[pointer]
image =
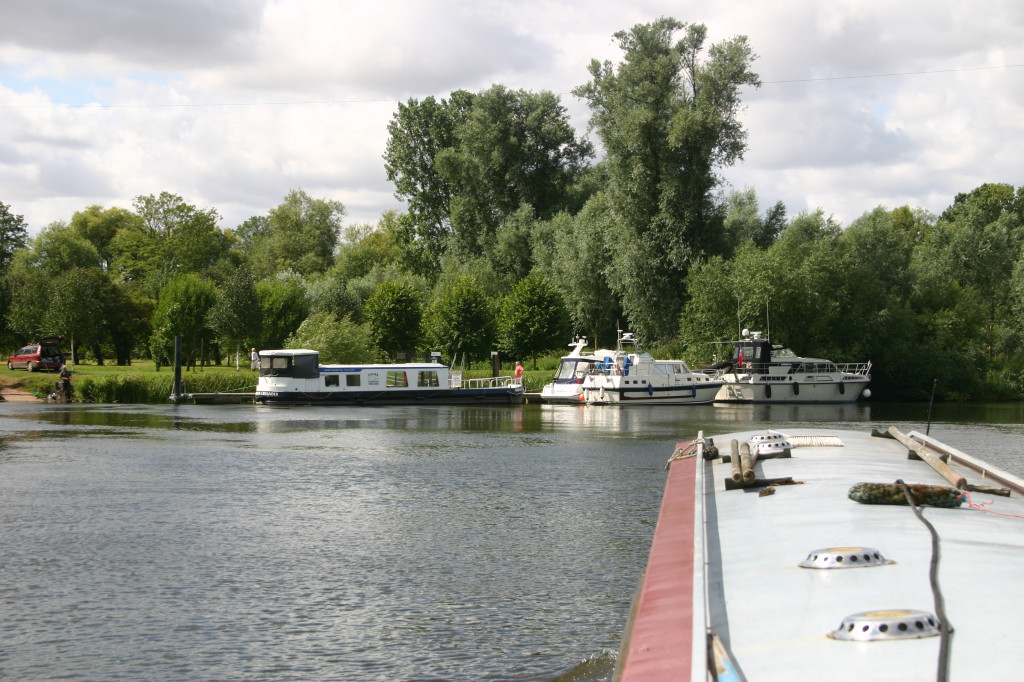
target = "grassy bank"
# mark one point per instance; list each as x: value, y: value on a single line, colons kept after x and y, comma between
x: 139, y: 382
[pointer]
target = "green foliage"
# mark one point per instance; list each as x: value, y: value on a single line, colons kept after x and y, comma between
x: 338, y: 341
x: 283, y: 307
x: 668, y: 119
x: 236, y: 317
x: 393, y: 315
x: 459, y: 322
x: 301, y: 235
x: 182, y: 310
x: 13, y: 235
x: 531, y: 320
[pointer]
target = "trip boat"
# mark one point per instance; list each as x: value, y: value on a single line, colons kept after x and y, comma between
x: 567, y: 384
x: 629, y: 375
x: 763, y: 372
x: 289, y: 377
x: 833, y: 555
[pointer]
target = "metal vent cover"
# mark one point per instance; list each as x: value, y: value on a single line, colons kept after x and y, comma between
x: 769, y: 443
x: 844, y: 557
x: 873, y: 626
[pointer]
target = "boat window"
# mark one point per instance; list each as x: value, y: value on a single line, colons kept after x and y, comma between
x: 275, y: 366
x: 428, y: 379
x: 397, y: 380
x: 352, y: 380
x: 331, y: 380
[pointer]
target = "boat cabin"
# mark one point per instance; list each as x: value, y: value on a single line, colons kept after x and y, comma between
x: 301, y: 370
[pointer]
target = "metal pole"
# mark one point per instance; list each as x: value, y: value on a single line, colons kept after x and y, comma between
x: 177, y: 368
x: 930, y: 402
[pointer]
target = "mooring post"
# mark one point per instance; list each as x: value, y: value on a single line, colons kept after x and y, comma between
x: 176, y: 393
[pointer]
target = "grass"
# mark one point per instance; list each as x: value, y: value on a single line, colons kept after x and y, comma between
x: 139, y: 382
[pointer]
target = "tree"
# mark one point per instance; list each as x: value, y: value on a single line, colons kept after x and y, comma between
x: 283, y: 307
x: 743, y: 223
x: 515, y: 148
x: 532, y: 319
x: 170, y: 237
x: 300, y: 236
x: 13, y: 235
x: 182, y: 310
x: 99, y: 226
x: 668, y: 121
x: 393, y: 314
x: 417, y: 134
x: 339, y: 341
x: 74, y: 308
x: 459, y: 321
x: 236, y: 316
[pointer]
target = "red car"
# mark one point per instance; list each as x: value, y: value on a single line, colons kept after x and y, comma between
x: 43, y: 355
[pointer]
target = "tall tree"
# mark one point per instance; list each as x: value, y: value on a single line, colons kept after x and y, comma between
x: 283, y: 307
x: 393, y: 314
x: 182, y: 310
x: 13, y: 235
x: 459, y: 322
x: 668, y: 119
x: 236, y: 316
x: 301, y: 235
x: 417, y: 134
x: 532, y: 319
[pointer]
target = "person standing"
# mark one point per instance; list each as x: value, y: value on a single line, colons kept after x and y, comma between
x: 254, y: 359
x: 65, y: 383
x: 519, y: 372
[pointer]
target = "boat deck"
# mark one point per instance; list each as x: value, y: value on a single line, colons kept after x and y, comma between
x: 773, y: 618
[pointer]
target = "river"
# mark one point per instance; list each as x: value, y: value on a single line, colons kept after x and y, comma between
x: 405, y: 543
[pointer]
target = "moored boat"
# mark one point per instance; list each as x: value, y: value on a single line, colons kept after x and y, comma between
x: 862, y: 557
x: 566, y: 386
x: 297, y: 377
x: 762, y: 372
x: 629, y: 375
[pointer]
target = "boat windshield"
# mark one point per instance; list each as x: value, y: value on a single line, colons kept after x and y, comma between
x: 573, y: 368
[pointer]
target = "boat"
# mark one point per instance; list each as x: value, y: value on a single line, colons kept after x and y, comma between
x: 629, y: 375
x: 762, y: 372
x: 289, y: 377
x: 838, y: 555
x: 567, y: 384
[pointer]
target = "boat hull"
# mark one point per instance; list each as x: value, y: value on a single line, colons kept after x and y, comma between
x: 790, y: 390
x: 568, y: 393
x: 453, y: 396
x: 611, y: 392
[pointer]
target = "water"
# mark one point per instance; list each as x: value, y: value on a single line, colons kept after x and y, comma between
x: 241, y: 542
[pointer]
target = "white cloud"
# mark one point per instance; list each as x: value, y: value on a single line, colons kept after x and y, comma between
x: 234, y: 103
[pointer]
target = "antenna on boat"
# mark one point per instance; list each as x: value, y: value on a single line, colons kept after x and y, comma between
x: 768, y: 319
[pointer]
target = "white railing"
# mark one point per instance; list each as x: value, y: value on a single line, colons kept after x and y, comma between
x: 485, y: 382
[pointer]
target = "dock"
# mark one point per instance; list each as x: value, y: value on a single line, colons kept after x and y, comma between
x: 224, y: 398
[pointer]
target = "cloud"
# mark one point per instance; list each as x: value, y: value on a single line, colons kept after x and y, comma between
x: 233, y: 103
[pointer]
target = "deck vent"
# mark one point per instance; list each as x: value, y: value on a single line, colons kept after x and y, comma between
x: 768, y: 444
x: 844, y: 557
x: 873, y: 626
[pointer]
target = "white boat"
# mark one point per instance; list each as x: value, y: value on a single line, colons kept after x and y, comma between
x: 629, y: 375
x: 297, y: 377
x: 762, y: 372
x: 798, y: 556
x: 567, y: 384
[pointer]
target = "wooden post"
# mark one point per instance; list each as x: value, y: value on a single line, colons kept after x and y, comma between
x: 176, y: 392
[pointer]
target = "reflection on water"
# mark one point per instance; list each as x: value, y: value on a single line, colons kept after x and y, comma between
x: 457, y: 543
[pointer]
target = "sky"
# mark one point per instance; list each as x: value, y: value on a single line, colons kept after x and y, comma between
x: 231, y: 104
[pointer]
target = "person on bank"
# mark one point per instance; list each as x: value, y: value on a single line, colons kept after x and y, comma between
x: 519, y: 372
x: 254, y: 359
x: 65, y: 382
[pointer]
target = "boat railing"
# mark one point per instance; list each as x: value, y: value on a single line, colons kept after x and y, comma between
x: 485, y: 382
